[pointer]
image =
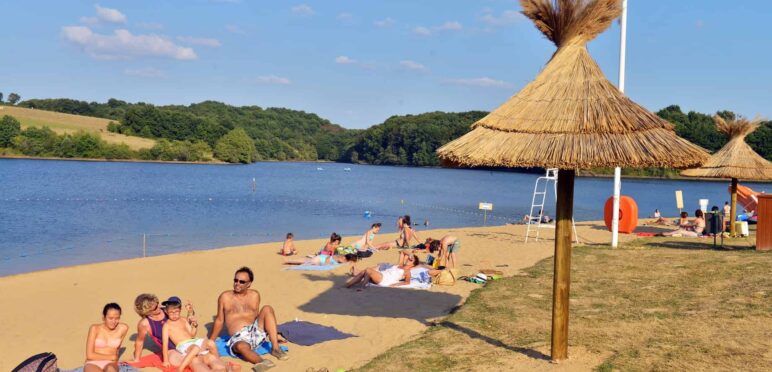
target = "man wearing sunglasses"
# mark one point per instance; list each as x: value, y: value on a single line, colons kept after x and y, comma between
x: 247, y: 324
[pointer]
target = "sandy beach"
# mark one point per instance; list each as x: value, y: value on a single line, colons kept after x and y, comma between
x: 52, y: 310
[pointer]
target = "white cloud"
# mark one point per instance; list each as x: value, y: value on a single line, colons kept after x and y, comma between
x: 303, y: 10
x: 345, y: 16
x: 344, y: 60
x: 122, y: 44
x: 449, y: 26
x: 484, y: 82
x: 385, y: 22
x: 507, y: 17
x: 203, y: 41
x: 412, y: 65
x: 422, y: 31
x: 110, y: 15
x: 89, y: 20
x: 273, y: 79
x: 235, y: 29
x: 148, y: 72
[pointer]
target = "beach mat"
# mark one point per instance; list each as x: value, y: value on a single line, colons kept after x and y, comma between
x: 263, y: 349
x: 304, y: 333
x: 313, y: 267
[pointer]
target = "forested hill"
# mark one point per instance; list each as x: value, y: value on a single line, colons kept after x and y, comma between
x: 255, y: 133
x: 278, y: 134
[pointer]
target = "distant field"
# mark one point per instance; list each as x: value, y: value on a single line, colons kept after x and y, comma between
x: 66, y: 123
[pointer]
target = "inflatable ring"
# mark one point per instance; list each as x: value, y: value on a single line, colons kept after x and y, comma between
x: 628, y: 214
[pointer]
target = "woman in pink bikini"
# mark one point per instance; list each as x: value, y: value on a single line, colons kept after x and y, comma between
x: 104, y: 340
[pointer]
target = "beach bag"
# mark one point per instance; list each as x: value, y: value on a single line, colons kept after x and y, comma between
x: 364, y: 254
x: 43, y: 362
x: 445, y: 277
x: 345, y: 250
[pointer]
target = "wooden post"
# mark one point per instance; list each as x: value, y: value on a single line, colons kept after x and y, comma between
x: 562, y: 277
x: 733, y: 209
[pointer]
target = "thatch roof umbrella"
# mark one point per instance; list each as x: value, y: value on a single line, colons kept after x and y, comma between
x: 735, y: 160
x: 570, y: 117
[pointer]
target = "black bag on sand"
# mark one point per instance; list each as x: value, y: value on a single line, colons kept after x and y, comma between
x: 364, y: 254
x: 43, y: 362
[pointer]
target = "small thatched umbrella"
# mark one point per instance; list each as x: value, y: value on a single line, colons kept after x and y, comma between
x: 570, y: 117
x: 735, y: 160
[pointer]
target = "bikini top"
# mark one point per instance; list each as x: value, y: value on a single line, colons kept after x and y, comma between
x: 111, y: 343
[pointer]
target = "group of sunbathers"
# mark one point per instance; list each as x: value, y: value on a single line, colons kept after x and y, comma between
x: 238, y: 310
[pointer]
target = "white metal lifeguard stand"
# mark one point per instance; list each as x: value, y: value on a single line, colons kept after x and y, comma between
x: 537, y: 203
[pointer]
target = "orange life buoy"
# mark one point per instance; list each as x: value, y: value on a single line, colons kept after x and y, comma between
x: 628, y: 214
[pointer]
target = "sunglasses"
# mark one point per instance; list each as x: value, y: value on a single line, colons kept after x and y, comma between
x: 240, y: 281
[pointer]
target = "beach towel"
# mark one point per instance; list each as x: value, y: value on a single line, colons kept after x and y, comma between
x: 646, y: 234
x: 313, y: 267
x: 263, y: 349
x: 306, y: 333
x: 153, y: 361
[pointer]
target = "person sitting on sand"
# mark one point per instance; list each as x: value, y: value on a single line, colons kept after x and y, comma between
x: 683, y: 220
x: 182, y: 331
x: 331, y: 246
x: 104, y: 341
x: 152, y: 319
x: 406, y: 235
x: 694, y: 229
x: 288, y: 249
x: 393, y: 276
x: 658, y: 219
x: 246, y: 322
x: 365, y: 243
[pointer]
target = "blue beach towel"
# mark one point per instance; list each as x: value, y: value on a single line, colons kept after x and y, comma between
x: 263, y: 349
x: 304, y: 333
x: 312, y: 267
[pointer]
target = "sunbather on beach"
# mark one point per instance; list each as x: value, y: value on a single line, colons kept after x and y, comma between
x: 366, y: 241
x: 152, y: 319
x: 406, y: 234
x: 182, y: 332
x: 393, y: 276
x: 104, y: 340
x: 246, y: 322
x: 331, y: 246
x: 694, y: 229
x: 288, y: 249
x: 323, y: 259
x: 658, y: 219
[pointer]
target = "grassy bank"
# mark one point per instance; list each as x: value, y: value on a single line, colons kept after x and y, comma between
x: 656, y: 304
x: 67, y: 123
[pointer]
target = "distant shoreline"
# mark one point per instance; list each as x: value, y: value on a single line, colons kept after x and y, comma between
x: 592, y: 175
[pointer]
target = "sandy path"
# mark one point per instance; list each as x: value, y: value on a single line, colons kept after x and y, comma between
x: 51, y: 310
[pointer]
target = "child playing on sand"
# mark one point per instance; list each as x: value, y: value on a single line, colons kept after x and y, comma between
x: 181, y: 331
x: 288, y: 249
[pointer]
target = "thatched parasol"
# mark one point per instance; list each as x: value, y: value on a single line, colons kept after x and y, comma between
x: 570, y: 117
x: 735, y: 160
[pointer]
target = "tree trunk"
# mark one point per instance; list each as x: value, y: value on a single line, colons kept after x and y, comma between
x: 562, y: 277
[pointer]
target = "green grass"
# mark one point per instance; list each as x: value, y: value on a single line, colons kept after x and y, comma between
x: 655, y: 304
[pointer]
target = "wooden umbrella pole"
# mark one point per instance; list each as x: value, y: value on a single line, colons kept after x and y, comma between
x: 733, y: 209
x: 562, y: 277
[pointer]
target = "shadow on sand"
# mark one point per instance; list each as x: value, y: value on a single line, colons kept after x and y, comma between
x: 417, y: 304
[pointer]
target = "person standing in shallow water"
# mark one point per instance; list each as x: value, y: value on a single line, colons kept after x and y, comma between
x: 247, y: 324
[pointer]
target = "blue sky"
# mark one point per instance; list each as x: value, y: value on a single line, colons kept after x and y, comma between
x: 358, y: 62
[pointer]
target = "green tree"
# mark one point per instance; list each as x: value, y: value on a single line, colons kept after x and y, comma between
x: 1, y: 97
x: 13, y: 98
x: 236, y: 147
x: 36, y: 141
x: 9, y: 128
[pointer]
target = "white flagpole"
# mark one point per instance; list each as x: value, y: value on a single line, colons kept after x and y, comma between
x: 618, y: 170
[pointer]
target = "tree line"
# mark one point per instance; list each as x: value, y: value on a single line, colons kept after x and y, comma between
x: 250, y: 133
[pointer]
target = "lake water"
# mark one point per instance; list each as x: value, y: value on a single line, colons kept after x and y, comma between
x: 61, y: 213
